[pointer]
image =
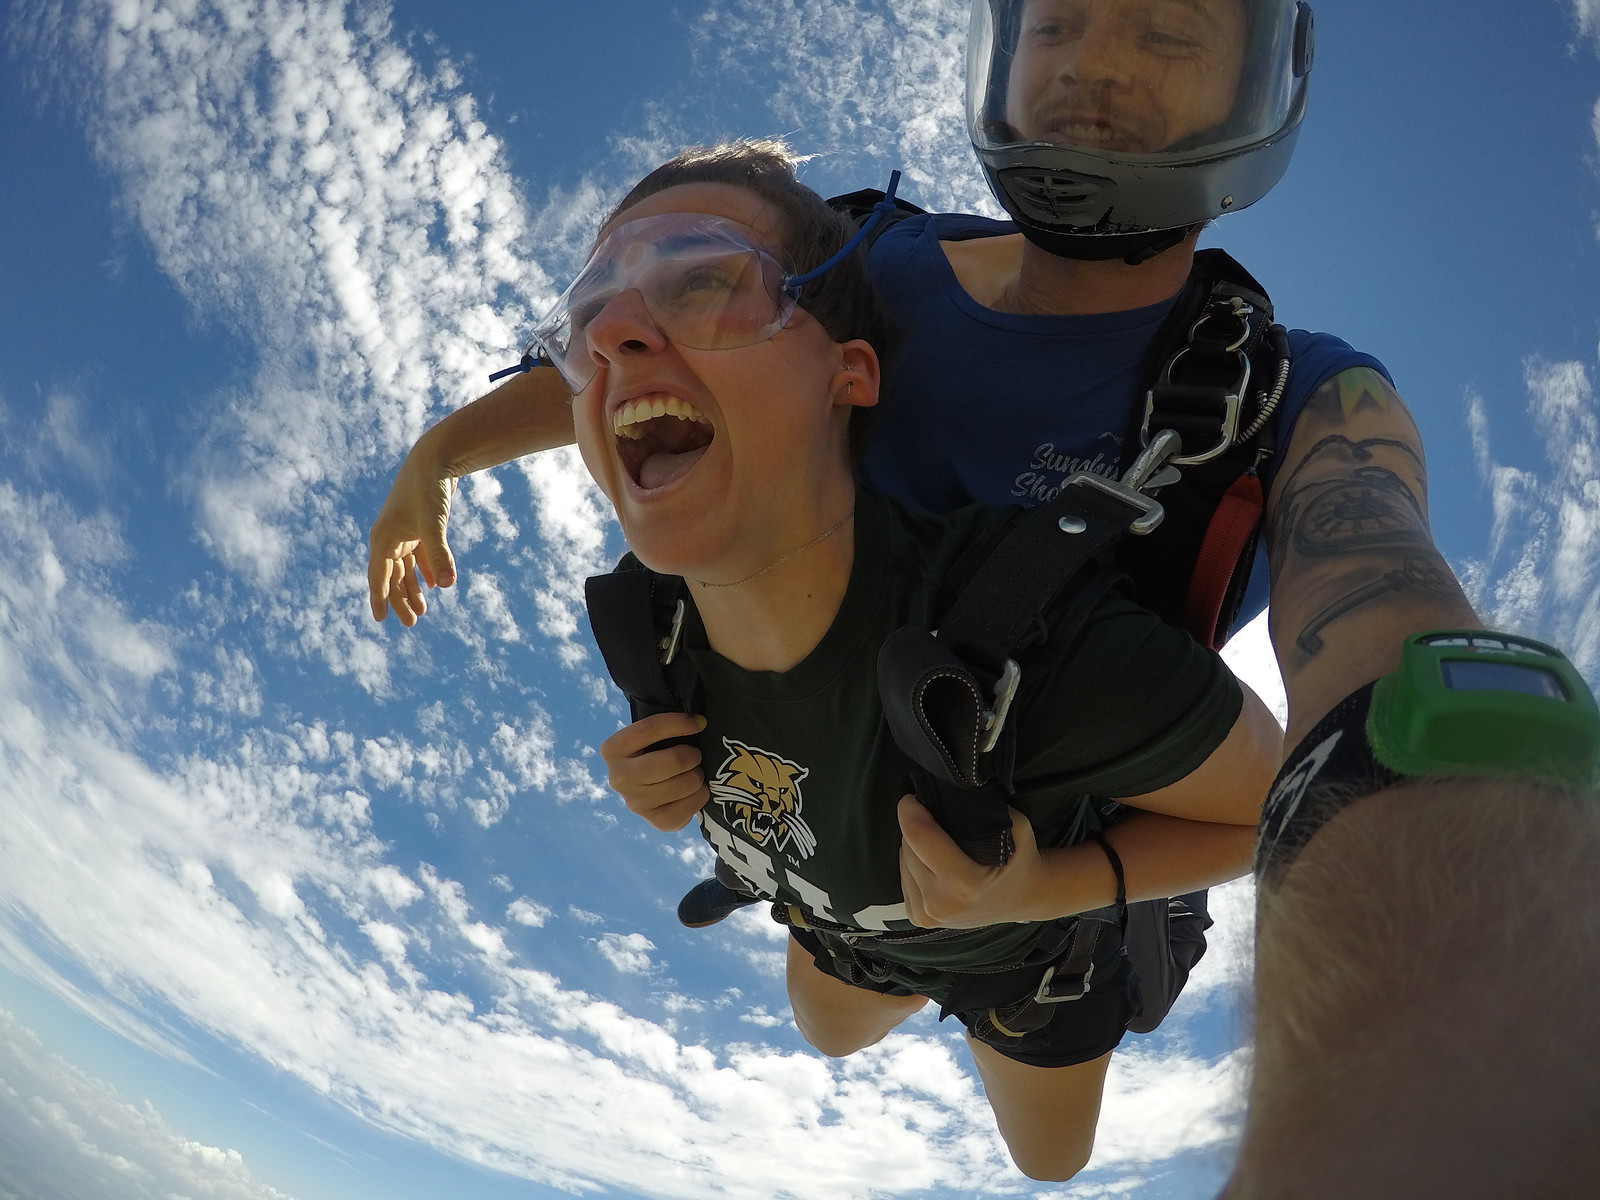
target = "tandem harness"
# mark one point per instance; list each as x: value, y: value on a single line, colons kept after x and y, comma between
x: 1205, y: 426
x: 947, y: 697
x: 1215, y: 375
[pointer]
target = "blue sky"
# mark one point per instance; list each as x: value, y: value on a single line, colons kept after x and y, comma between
x: 293, y: 905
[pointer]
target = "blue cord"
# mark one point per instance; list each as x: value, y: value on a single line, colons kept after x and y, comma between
x: 793, y: 283
x: 525, y: 365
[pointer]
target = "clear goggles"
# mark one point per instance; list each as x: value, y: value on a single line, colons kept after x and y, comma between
x: 701, y: 280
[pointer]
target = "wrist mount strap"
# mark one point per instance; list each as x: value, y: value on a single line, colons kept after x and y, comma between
x: 1332, y: 767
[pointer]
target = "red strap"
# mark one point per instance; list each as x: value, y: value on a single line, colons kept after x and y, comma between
x: 1223, y: 551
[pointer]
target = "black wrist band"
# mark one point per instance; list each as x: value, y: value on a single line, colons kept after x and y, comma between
x: 1116, y: 866
x: 1332, y: 767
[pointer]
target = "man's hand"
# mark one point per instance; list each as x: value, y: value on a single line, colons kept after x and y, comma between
x: 665, y: 787
x: 944, y: 889
x: 407, y: 541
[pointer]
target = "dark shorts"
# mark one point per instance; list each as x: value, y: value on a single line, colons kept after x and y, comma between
x: 1077, y: 1031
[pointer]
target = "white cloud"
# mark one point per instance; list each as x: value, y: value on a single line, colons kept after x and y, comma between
x: 234, y: 688
x: 627, y: 952
x: 306, y: 184
x: 71, y: 1137
x: 1587, y: 13
x: 527, y: 912
x: 1541, y: 574
x: 1159, y: 1104
x: 878, y: 83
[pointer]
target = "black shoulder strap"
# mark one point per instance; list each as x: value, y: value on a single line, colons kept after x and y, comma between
x: 946, y: 694
x: 1214, y: 375
x: 858, y: 206
x: 637, y: 617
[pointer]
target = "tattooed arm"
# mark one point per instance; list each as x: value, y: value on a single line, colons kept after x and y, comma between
x: 1354, y: 568
x: 1385, y: 1066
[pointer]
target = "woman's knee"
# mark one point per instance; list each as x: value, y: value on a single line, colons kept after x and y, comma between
x: 836, y: 1018
x: 834, y: 1043
x: 840, y: 1033
x: 1052, y: 1163
x: 1046, y: 1115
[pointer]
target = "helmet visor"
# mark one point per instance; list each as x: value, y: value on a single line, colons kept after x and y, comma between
x: 1160, y: 82
x: 702, y: 281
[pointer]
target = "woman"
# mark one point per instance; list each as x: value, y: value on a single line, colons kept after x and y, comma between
x: 715, y: 412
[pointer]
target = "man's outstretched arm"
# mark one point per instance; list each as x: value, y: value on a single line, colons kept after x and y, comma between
x: 527, y: 413
x: 1426, y: 1020
x: 1427, y: 962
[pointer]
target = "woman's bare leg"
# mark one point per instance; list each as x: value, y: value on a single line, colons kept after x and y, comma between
x: 833, y: 1016
x: 1047, y: 1115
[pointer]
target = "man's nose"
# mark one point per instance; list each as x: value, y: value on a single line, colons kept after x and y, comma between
x: 1102, y: 54
x: 623, y: 327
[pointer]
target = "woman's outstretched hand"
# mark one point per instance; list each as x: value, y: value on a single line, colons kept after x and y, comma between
x: 406, y: 547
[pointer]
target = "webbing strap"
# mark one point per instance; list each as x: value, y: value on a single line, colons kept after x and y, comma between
x: 1223, y: 555
x: 631, y: 613
x: 999, y: 607
x: 978, y: 819
x: 1214, y: 369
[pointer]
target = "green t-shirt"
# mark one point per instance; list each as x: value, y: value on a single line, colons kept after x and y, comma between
x: 805, y: 775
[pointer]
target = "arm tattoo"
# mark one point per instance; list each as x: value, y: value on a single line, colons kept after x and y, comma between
x: 1421, y: 572
x: 1369, y: 511
x: 1371, y: 507
x: 1360, y: 452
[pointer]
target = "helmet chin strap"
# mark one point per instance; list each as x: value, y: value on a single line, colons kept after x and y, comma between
x: 1131, y: 248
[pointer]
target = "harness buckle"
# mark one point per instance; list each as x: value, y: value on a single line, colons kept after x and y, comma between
x: 669, y: 644
x: 994, y: 720
x: 1149, y: 509
x: 1045, y: 996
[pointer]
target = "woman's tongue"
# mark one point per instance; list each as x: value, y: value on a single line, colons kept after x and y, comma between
x: 662, y: 467
x: 666, y: 448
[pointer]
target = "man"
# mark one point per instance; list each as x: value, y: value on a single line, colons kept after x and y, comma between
x: 1111, y: 131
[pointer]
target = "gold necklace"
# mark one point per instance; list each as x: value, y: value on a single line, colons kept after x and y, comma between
x: 823, y: 536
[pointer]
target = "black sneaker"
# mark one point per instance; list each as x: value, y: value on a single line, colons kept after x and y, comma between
x: 710, y: 901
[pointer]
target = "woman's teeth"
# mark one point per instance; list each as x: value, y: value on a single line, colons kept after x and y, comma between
x: 628, y: 419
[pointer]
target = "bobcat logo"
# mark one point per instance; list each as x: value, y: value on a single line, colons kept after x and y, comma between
x: 760, y: 793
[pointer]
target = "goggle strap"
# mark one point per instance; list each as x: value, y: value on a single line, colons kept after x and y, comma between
x: 529, y: 361
x: 793, y: 283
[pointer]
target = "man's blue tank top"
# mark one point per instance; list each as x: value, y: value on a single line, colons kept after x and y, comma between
x: 1000, y: 407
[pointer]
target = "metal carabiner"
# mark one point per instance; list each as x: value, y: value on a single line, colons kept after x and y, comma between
x: 1240, y: 310
x: 1232, y: 403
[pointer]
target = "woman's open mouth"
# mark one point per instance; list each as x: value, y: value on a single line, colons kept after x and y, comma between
x: 659, y: 438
